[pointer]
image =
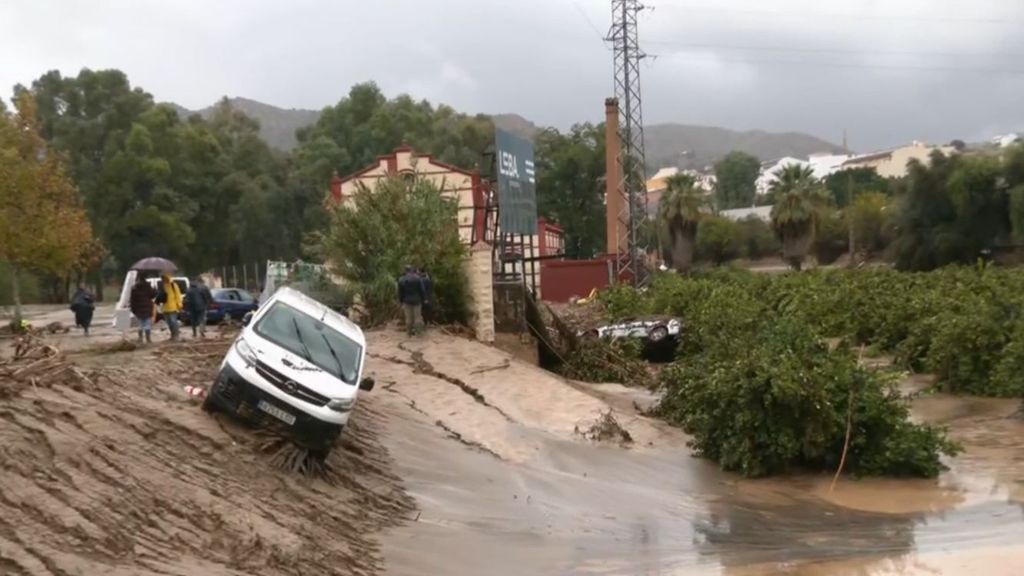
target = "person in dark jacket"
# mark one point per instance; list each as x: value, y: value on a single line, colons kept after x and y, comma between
x: 140, y: 301
x: 428, y: 295
x: 197, y: 301
x: 411, y: 296
x: 83, y: 305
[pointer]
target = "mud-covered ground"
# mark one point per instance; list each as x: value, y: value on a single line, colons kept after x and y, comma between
x: 464, y: 461
x: 124, y: 474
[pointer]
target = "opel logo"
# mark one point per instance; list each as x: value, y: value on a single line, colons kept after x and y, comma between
x: 290, y: 387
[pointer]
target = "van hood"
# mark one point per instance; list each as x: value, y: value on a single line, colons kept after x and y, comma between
x: 299, y: 369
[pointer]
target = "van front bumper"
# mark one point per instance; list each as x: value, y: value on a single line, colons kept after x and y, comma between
x: 235, y: 393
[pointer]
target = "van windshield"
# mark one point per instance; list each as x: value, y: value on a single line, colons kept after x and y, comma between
x: 311, y: 339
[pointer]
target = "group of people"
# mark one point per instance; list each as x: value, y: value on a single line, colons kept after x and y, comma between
x: 144, y: 299
x: 416, y: 295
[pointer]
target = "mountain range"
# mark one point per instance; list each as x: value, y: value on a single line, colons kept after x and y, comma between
x: 681, y: 145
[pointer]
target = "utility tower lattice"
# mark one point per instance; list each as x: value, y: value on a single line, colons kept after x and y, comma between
x: 623, y: 35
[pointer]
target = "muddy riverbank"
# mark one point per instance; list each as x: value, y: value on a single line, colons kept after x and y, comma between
x: 524, y: 494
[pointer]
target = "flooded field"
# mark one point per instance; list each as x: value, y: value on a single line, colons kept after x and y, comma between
x: 525, y: 495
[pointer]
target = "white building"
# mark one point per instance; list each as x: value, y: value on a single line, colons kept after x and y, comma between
x: 1007, y: 140
x: 763, y: 213
x: 770, y: 173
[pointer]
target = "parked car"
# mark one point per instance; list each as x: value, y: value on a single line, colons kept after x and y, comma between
x: 297, y: 365
x: 228, y: 303
x: 652, y: 329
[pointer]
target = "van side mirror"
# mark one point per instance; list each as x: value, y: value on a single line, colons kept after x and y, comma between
x: 247, y: 319
x: 367, y: 383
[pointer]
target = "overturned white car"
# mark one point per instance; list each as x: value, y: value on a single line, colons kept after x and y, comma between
x: 654, y: 329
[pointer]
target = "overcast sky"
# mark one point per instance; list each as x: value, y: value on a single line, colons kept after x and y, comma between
x: 888, y: 71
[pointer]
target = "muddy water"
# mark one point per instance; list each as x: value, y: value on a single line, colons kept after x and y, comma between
x: 505, y: 486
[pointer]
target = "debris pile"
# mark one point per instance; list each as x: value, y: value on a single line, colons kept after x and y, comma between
x: 606, y: 429
x: 38, y: 364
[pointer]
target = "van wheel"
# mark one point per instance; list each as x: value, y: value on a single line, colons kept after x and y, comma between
x: 658, y: 334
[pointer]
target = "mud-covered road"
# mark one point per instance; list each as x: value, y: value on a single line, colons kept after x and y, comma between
x: 129, y: 476
x: 463, y: 461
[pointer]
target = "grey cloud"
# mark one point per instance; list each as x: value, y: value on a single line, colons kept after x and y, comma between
x: 544, y: 58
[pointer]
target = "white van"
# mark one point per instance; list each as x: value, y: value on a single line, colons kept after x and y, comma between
x: 297, y: 365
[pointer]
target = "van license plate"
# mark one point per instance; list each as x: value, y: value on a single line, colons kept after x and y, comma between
x: 276, y: 412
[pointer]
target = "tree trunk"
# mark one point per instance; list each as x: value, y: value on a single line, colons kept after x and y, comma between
x: 16, y: 294
x: 682, y: 251
x: 795, y: 248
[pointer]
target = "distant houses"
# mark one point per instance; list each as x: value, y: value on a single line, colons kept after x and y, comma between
x: 887, y: 163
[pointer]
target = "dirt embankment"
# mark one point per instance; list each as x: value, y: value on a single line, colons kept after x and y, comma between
x: 109, y: 468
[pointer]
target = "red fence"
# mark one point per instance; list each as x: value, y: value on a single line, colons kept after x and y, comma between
x: 560, y: 280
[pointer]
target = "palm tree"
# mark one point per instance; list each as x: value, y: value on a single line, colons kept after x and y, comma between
x: 679, y: 212
x: 799, y: 201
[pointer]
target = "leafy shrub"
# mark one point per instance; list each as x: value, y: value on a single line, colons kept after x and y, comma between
x: 757, y: 239
x: 832, y: 239
x: 718, y: 240
x: 401, y: 222
x: 782, y: 405
x: 604, y: 360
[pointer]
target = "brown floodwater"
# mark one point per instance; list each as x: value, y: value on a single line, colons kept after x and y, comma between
x: 505, y: 486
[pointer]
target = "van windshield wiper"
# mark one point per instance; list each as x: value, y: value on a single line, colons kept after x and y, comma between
x: 298, y: 332
x: 341, y: 369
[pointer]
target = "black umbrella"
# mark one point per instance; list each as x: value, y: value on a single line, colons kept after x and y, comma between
x: 155, y: 264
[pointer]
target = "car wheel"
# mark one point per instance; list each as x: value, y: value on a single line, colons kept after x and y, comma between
x: 658, y: 333
x: 591, y: 335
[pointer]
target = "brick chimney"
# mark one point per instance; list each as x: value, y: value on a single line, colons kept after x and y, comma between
x: 615, y: 229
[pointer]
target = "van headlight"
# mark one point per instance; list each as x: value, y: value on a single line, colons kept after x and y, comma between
x: 341, y: 404
x: 245, y: 351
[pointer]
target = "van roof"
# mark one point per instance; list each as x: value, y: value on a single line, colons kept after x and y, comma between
x: 315, y: 308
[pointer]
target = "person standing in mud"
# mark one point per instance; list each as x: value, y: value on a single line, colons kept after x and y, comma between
x: 428, y: 295
x: 83, y: 305
x: 171, y: 299
x: 140, y: 302
x: 411, y: 296
x: 197, y: 301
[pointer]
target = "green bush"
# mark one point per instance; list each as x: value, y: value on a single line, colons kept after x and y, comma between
x: 831, y: 239
x: 403, y: 221
x: 757, y: 239
x: 782, y: 405
x: 718, y: 240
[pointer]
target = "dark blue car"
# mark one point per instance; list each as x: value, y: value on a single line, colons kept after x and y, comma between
x: 233, y: 303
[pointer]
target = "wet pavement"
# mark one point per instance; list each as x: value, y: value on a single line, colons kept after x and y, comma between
x: 505, y: 486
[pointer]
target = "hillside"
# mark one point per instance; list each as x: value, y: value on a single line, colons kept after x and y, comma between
x: 680, y: 145
x: 277, y: 125
x: 690, y: 146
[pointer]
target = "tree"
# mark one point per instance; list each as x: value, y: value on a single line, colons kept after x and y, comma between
x: 736, y: 176
x: 757, y: 239
x: 679, y: 212
x: 868, y: 217
x: 847, y: 184
x: 360, y: 127
x: 570, y: 186
x: 43, y: 226
x: 718, y: 240
x: 799, y: 201
x: 952, y: 210
x: 402, y: 221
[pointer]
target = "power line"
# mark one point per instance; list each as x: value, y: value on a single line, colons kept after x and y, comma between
x: 586, y: 17
x: 792, y: 62
x: 826, y: 50
x: 847, y: 16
